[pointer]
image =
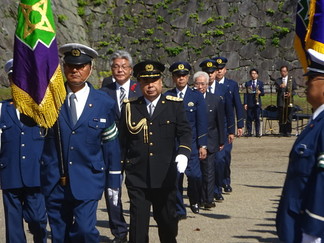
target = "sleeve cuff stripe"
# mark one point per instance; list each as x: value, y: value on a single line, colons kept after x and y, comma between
x: 315, y: 216
x: 186, y: 147
x: 202, y: 135
x: 109, y: 130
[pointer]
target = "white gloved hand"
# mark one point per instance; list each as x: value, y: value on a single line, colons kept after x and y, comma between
x: 113, y: 195
x: 310, y: 239
x: 182, y: 162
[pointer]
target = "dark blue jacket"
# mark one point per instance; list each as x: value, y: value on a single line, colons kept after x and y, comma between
x: 215, y: 114
x: 88, y: 156
x: 21, y: 148
x: 301, y: 205
x: 223, y: 92
x: 249, y: 96
x: 236, y: 100
x: 195, y: 107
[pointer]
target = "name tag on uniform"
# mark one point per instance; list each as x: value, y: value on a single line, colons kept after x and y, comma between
x: 103, y: 120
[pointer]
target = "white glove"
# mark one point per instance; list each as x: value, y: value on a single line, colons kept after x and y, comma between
x: 113, y: 195
x: 182, y: 162
x: 310, y: 239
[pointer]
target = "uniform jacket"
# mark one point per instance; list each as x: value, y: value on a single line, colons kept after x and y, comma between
x: 281, y: 91
x: 215, y: 114
x: 236, y: 100
x: 195, y: 107
x: 87, y: 153
x: 223, y: 92
x: 134, y: 91
x: 21, y: 147
x: 301, y: 203
x: 249, y: 96
x: 107, y: 81
x: 151, y: 164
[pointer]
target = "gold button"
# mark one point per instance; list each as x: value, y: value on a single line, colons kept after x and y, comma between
x: 133, y: 123
x: 73, y: 132
x: 151, y: 154
x: 151, y: 133
x: 151, y: 123
x: 168, y: 122
x: 151, y: 144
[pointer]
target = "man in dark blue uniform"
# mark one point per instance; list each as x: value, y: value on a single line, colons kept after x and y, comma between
x: 252, y: 102
x: 210, y: 66
x: 122, y: 88
x: 216, y: 136
x: 195, y: 107
x: 149, y: 128
x: 21, y: 147
x: 300, y: 216
x: 237, y: 105
x: 81, y: 155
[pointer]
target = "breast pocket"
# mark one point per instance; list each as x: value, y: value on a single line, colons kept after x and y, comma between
x: 94, y: 132
x: 6, y: 135
x: 167, y: 128
x: 191, y: 113
x: 303, y: 159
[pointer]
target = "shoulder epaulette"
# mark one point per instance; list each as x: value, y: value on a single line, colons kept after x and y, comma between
x: 173, y: 98
x: 130, y: 99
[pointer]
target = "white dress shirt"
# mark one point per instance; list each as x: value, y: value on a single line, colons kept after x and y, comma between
x: 80, y: 98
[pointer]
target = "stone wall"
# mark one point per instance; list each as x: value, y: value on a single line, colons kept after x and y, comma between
x: 250, y: 33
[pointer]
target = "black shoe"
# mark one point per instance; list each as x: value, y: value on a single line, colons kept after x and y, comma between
x: 228, y: 188
x: 120, y: 240
x: 258, y: 136
x: 195, y: 208
x: 210, y: 205
x: 248, y: 135
x: 218, y: 197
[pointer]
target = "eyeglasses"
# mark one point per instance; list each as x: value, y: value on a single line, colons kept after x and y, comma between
x: 117, y: 67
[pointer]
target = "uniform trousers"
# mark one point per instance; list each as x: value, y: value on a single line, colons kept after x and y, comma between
x: 71, y: 220
x: 117, y: 223
x: 219, y: 171
x: 253, y: 114
x: 227, y: 167
x: 208, y: 177
x: 285, y: 128
x: 163, y: 201
x: 193, y: 173
x: 24, y: 203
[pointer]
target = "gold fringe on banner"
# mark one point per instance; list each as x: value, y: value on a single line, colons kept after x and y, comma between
x: 46, y: 113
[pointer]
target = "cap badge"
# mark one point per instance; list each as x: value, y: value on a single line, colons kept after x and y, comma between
x: 76, y: 52
x: 181, y: 67
x: 149, y: 67
x: 209, y: 64
x: 219, y: 61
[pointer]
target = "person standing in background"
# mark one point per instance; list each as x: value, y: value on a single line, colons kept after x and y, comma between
x: 252, y: 103
x: 285, y: 87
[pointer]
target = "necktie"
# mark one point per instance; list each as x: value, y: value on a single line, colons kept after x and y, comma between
x: 151, y: 109
x: 209, y: 89
x: 73, y: 109
x: 122, y: 96
x: 181, y: 95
